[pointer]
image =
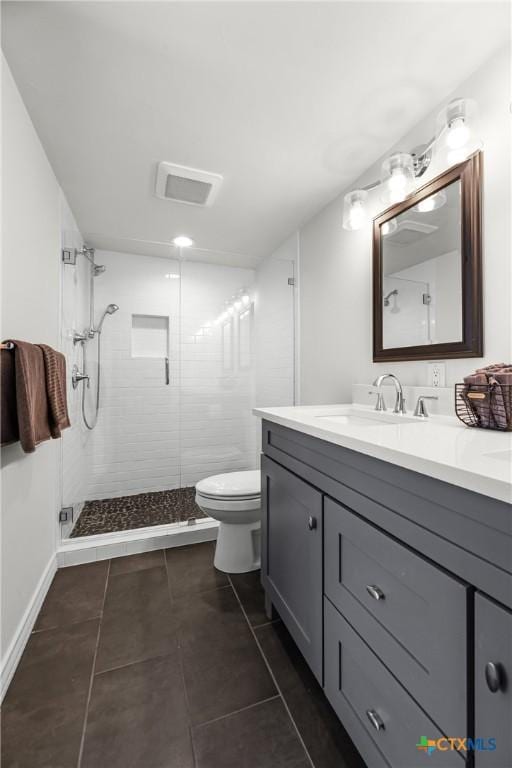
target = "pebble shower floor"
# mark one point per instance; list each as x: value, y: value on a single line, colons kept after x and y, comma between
x: 125, y: 513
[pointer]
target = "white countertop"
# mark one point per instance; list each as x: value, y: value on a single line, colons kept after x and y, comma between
x: 440, y: 446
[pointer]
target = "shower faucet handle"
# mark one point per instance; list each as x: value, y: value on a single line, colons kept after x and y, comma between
x: 77, y: 377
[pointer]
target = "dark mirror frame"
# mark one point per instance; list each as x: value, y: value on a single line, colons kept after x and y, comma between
x: 470, y: 174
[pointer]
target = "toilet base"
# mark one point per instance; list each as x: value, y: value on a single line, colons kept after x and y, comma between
x: 238, y: 547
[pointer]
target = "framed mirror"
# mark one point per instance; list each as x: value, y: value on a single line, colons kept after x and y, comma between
x: 427, y: 283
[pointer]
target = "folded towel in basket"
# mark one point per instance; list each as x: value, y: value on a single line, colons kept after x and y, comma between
x: 493, y: 411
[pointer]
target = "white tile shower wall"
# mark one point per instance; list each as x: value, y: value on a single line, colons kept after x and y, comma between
x: 75, y: 316
x: 218, y: 433
x: 152, y: 436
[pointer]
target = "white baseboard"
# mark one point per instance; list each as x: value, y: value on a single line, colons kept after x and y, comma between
x: 12, y: 656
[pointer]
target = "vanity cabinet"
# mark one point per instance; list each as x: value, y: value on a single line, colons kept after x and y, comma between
x: 292, y: 558
x: 397, y: 588
x: 493, y: 682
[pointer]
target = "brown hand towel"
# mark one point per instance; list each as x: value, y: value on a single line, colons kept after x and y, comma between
x: 31, y: 399
x: 8, y: 414
x: 55, y: 369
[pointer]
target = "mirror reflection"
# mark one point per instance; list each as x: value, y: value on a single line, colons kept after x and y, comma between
x: 422, y: 272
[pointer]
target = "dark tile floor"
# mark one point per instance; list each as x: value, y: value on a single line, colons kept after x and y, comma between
x: 160, y: 661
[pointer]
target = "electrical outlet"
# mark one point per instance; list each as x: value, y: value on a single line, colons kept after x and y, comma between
x: 436, y: 374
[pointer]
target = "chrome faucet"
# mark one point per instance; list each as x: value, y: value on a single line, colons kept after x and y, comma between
x: 399, y: 400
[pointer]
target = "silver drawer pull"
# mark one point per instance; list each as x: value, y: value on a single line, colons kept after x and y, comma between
x: 375, y: 592
x: 375, y: 719
x: 311, y: 523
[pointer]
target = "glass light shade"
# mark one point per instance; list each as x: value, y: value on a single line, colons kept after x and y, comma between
x: 431, y: 203
x: 355, y: 213
x: 456, y: 137
x: 397, y: 176
x: 388, y: 227
x: 238, y: 304
x: 246, y: 299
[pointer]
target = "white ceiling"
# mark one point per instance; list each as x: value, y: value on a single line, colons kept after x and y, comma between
x: 289, y: 101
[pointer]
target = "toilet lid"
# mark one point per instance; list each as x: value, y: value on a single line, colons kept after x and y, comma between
x: 232, y: 484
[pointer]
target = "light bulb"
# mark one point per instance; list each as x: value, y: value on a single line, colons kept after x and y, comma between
x: 246, y: 299
x: 354, y: 209
x: 397, y: 181
x: 388, y: 227
x: 432, y: 202
x: 356, y: 215
x: 183, y: 241
x: 458, y: 134
x: 238, y: 304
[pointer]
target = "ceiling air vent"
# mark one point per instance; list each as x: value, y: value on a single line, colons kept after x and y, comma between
x: 409, y: 232
x: 186, y: 185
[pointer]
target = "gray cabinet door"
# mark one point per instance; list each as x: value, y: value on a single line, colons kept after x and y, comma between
x: 493, y: 682
x: 412, y: 614
x: 292, y: 557
x: 385, y: 724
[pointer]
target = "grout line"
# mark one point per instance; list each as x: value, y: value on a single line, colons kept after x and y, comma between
x: 132, y: 663
x: 278, y: 688
x: 93, y: 667
x: 180, y: 662
x: 237, y: 711
x: 67, y: 624
x: 266, y: 624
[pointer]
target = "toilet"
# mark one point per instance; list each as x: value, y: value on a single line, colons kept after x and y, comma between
x: 234, y: 499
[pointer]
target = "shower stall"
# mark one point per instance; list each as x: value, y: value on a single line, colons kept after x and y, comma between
x: 163, y: 377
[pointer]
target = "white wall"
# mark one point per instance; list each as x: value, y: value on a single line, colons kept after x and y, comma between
x: 30, y: 311
x: 335, y: 265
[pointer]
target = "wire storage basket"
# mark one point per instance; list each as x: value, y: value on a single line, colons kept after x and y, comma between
x: 488, y: 406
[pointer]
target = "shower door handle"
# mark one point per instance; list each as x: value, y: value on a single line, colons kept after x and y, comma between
x: 167, y: 370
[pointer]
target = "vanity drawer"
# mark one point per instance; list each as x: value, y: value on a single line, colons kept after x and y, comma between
x: 361, y: 689
x: 411, y: 613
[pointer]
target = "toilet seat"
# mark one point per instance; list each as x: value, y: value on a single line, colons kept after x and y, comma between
x: 231, y: 486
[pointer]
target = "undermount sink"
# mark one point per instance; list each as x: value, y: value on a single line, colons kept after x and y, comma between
x: 359, y: 418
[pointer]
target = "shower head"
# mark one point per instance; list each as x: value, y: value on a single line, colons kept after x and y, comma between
x: 108, y: 311
x: 387, y: 298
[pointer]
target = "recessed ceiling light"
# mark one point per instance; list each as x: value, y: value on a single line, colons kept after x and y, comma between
x: 182, y: 241
x: 172, y: 276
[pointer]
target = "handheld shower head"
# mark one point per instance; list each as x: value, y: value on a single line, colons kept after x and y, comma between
x: 108, y: 311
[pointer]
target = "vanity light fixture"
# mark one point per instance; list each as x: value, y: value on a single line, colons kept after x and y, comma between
x: 389, y: 227
x: 454, y: 141
x: 183, y: 241
x: 397, y: 175
x: 431, y: 203
x: 355, y: 213
x: 455, y: 135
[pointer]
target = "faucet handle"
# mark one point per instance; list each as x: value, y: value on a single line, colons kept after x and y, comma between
x: 421, y: 408
x: 380, y: 405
